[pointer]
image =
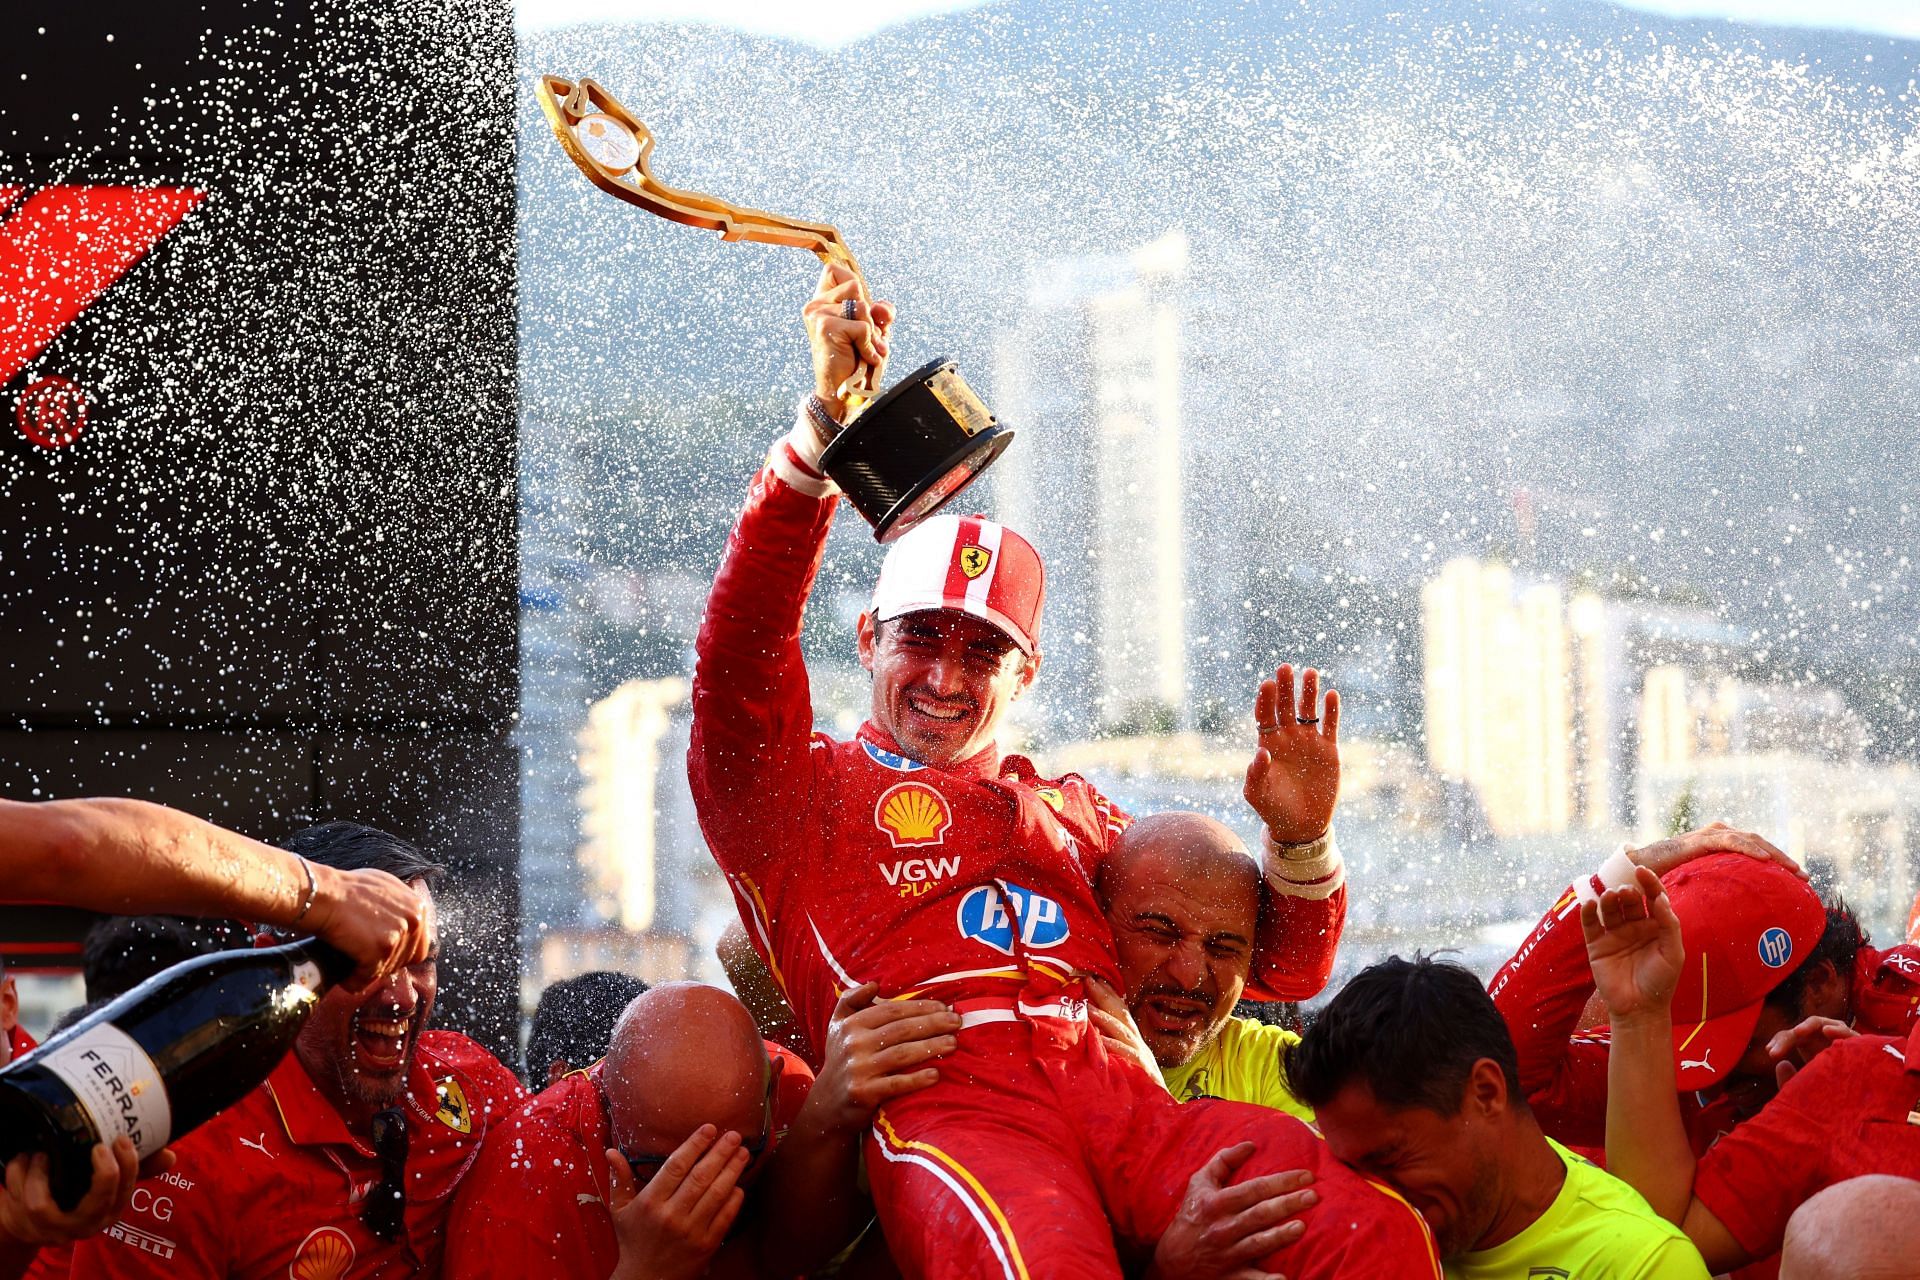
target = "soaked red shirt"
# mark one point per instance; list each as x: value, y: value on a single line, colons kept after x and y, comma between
x: 1853, y: 1110
x: 536, y: 1201
x: 273, y: 1186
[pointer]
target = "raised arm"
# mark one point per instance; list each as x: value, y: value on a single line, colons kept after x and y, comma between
x: 1633, y: 944
x: 752, y: 712
x: 1543, y: 989
x: 1293, y: 783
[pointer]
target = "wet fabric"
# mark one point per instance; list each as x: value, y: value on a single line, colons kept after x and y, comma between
x: 275, y: 1185
x: 1241, y: 1064
x: 1036, y: 1138
x: 1597, y: 1228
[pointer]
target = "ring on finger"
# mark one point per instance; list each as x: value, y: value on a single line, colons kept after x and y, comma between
x: 1269, y: 728
x: 1306, y: 719
x: 849, y: 309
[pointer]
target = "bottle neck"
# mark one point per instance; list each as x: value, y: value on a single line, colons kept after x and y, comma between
x: 331, y: 963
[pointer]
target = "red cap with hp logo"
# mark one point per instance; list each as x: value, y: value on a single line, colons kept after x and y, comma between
x: 1747, y: 925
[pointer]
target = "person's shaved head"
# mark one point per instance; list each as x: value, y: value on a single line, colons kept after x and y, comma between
x: 1183, y: 896
x: 1862, y: 1229
x: 685, y: 1054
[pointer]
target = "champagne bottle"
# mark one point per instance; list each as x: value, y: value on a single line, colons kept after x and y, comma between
x: 163, y: 1058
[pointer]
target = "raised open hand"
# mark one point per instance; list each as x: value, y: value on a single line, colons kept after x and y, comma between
x: 1634, y: 947
x: 1294, y: 778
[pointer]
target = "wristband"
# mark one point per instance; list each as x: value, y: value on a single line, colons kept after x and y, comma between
x: 1312, y: 870
x: 795, y: 457
x: 1617, y: 872
x: 313, y: 890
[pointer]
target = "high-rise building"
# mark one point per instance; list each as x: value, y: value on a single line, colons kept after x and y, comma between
x: 1498, y: 706
x: 1551, y: 708
x: 1633, y: 661
x: 621, y: 759
x: 1090, y: 374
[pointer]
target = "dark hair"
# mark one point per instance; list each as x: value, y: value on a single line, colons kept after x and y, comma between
x: 121, y: 952
x: 1410, y: 1030
x: 76, y: 1013
x: 573, y: 1023
x: 1840, y: 942
x: 353, y: 846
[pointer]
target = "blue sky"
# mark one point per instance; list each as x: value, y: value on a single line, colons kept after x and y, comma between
x: 830, y: 22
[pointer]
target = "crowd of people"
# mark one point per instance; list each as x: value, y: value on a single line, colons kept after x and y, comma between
x: 984, y: 1024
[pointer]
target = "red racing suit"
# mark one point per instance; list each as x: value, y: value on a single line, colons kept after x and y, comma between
x: 974, y: 884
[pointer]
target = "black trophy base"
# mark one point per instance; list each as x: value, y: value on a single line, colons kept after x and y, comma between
x: 914, y: 448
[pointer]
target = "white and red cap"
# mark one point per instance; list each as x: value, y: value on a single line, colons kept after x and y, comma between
x: 968, y: 563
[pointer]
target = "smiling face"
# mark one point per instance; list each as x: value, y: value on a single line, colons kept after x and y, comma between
x: 1447, y: 1167
x: 1183, y: 898
x: 942, y: 681
x: 358, y: 1048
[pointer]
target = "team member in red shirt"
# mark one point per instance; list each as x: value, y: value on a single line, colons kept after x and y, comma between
x: 344, y: 1162
x: 108, y: 854
x: 633, y: 1167
x: 921, y: 857
x: 1851, y: 1111
x: 1769, y: 957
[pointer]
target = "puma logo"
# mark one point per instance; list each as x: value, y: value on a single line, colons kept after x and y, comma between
x: 1701, y: 1062
x: 260, y: 1146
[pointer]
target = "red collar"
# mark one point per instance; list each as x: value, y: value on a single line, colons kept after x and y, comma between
x: 310, y: 1119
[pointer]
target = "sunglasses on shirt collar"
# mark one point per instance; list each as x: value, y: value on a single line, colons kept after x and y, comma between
x: 645, y: 1166
x: 385, y: 1210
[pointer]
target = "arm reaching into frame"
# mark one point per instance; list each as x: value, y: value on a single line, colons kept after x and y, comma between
x: 129, y: 857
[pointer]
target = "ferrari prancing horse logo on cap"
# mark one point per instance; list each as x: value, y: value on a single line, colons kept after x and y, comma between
x: 974, y: 561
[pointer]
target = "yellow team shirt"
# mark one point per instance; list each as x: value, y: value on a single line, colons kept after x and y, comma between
x: 1241, y: 1064
x: 1597, y: 1228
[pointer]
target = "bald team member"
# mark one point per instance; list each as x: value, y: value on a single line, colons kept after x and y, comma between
x: 636, y: 1166
x: 1862, y: 1229
x: 1184, y: 897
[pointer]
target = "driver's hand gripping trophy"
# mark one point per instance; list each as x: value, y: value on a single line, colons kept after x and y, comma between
x: 899, y: 455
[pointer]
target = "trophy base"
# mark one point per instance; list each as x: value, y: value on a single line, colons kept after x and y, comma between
x: 914, y: 448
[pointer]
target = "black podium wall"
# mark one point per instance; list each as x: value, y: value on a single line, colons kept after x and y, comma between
x: 272, y: 578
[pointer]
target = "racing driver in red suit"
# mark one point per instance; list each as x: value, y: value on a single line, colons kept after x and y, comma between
x: 920, y: 857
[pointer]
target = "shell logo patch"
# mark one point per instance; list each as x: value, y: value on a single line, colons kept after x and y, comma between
x: 1055, y: 798
x: 974, y: 561
x: 326, y: 1254
x: 453, y: 1111
x: 912, y: 814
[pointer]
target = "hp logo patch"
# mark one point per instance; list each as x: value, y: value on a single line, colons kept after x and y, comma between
x: 1776, y: 947
x: 887, y: 759
x: 983, y: 917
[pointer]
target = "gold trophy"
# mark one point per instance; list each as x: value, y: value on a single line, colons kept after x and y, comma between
x: 903, y: 453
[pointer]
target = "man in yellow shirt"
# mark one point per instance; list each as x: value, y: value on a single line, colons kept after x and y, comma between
x: 1415, y: 1082
x: 1183, y: 896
